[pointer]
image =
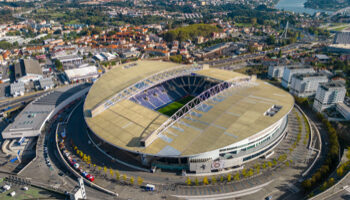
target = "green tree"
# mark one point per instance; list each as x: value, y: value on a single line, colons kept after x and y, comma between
x: 236, y: 177
x: 58, y: 65
x: 196, y: 181
x: 340, y: 171
x: 269, y: 163
x: 176, y: 58
x: 250, y: 172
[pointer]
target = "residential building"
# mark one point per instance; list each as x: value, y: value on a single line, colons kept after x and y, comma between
x: 4, y: 74
x: 305, y: 85
x: 329, y: 94
x: 275, y: 72
x: 289, y: 71
x: 344, y: 110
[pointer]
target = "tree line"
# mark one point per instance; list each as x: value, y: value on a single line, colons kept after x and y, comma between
x: 190, y: 32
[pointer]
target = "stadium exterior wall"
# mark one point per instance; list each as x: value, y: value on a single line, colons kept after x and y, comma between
x: 264, y: 142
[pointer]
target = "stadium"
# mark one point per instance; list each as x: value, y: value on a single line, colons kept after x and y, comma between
x: 184, y: 118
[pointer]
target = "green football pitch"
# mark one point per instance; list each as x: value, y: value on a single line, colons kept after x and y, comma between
x: 175, y: 106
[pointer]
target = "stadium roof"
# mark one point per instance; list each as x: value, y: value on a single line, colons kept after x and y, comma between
x: 230, y: 119
x: 342, y: 38
x: 30, y: 120
x: 121, y: 77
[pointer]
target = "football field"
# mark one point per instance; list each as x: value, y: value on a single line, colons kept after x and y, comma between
x: 171, y: 108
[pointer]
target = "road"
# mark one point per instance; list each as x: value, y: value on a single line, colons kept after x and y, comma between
x: 18, y: 101
x: 51, y: 175
x: 246, y: 57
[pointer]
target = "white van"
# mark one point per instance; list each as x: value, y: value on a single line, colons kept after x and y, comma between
x: 6, y: 187
x: 150, y: 187
x: 13, y: 193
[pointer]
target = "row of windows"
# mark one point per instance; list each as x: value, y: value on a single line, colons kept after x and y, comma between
x: 261, y: 152
x: 263, y: 139
x: 257, y: 144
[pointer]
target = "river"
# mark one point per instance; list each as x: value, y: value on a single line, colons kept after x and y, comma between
x: 296, y: 6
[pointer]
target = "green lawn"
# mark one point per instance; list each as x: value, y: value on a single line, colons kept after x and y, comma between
x: 32, y: 193
x: 175, y: 106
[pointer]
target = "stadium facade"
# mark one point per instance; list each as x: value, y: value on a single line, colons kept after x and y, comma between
x: 190, y: 118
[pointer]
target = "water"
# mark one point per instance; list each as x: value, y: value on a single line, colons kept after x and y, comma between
x: 296, y: 6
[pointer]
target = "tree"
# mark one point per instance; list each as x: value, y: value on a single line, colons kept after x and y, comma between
x: 117, y: 175
x: 244, y: 172
x: 139, y: 180
x: 253, y: 21
x: 271, y: 40
x: 250, y: 172
x: 58, y: 65
x: 124, y: 177
x: 257, y: 168
x: 279, y: 54
x: 228, y: 177
x: 205, y: 180
x: 176, y: 58
x: 331, y: 181
x: 340, y: 171
x: 213, y: 180
x: 287, y: 163
x: 269, y: 164
x: 307, y: 184
x: 236, y: 177
x: 274, y: 162
x: 188, y: 181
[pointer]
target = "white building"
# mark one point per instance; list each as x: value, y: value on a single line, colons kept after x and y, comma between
x: 46, y: 83
x: 108, y: 56
x: 289, y: 71
x: 82, y: 73
x: 305, y: 85
x: 275, y: 72
x: 329, y: 94
x: 17, y: 89
x: 344, y: 110
x: 70, y: 59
